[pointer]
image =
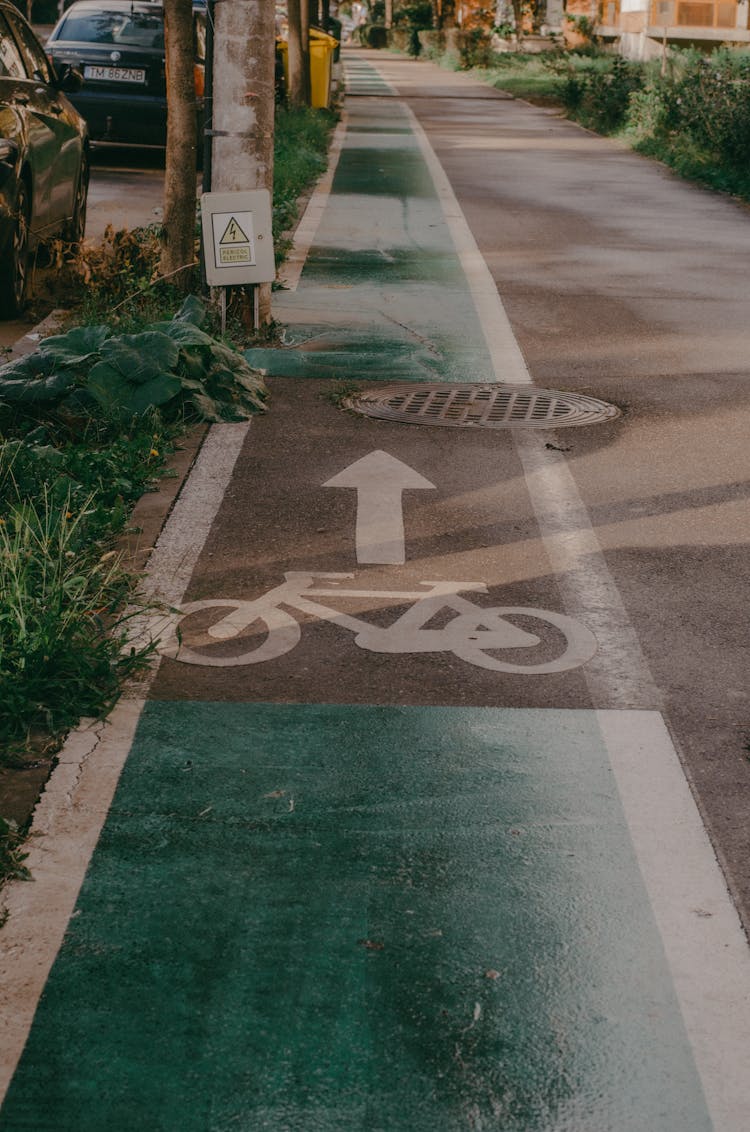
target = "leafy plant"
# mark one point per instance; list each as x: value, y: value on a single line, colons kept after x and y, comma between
x: 91, y: 372
x: 599, y: 97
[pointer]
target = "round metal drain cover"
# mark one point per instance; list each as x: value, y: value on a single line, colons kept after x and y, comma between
x: 474, y: 405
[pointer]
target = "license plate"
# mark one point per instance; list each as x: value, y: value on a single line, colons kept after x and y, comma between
x: 115, y: 74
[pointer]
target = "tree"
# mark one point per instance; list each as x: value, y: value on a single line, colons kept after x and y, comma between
x: 178, y: 235
x: 298, y: 91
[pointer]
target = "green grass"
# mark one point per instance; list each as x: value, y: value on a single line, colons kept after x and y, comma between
x: 300, y: 156
x: 524, y: 76
x: 61, y: 631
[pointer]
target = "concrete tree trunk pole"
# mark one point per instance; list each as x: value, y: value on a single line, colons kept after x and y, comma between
x: 178, y: 238
x: 243, y: 103
x: 388, y: 13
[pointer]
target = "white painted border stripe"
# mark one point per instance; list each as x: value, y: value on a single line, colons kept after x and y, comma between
x: 505, y: 353
x: 619, y: 674
x: 704, y: 942
x: 67, y: 823
x: 69, y: 817
x: 307, y: 228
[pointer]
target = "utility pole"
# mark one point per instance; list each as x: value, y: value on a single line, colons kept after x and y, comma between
x: 243, y: 106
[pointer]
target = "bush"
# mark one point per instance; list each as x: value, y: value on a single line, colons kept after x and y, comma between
x: 475, y: 48
x: 408, y: 21
x: 91, y: 373
x: 373, y: 35
x: 431, y: 43
x: 600, y: 97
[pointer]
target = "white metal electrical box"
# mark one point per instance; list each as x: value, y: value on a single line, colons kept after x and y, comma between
x: 237, y: 238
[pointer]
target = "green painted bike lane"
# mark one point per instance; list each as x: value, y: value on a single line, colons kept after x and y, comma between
x: 315, y: 917
x: 383, y: 295
x: 307, y: 917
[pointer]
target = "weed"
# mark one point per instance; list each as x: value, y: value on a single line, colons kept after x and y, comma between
x: 61, y: 633
x: 340, y: 391
x: 11, y: 856
x: 301, y: 144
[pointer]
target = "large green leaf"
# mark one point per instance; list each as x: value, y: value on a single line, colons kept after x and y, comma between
x: 29, y: 366
x: 118, y: 396
x: 193, y: 364
x: 141, y: 357
x: 184, y: 333
x: 220, y: 409
x: 77, y: 346
x: 108, y: 386
x: 36, y: 391
x: 192, y: 310
x: 151, y: 393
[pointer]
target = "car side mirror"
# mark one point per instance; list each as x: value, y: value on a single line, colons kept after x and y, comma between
x: 69, y: 80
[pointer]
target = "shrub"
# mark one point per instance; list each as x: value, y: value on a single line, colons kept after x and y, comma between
x: 373, y: 35
x: 92, y: 373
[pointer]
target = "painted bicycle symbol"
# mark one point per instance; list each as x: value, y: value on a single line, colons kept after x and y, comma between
x: 469, y: 631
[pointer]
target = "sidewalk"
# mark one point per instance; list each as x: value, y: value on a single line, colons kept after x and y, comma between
x: 346, y: 881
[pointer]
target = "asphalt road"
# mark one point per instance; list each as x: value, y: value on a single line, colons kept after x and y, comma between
x: 409, y: 832
x: 624, y: 282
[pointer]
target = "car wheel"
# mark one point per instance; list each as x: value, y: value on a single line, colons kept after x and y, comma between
x: 14, y: 270
x: 75, y: 229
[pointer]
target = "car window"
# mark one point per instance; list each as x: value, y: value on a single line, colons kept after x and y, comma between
x: 126, y: 29
x: 11, y: 62
x: 36, y: 61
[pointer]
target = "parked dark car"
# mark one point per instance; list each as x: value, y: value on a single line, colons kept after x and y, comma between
x: 44, y: 169
x: 118, y: 45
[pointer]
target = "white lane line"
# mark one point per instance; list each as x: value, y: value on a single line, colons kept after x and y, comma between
x: 619, y: 674
x: 69, y: 817
x: 705, y: 946
x: 177, y: 549
x: 307, y: 228
x: 507, y: 359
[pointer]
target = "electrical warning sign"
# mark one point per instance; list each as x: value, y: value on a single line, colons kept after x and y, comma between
x: 237, y: 238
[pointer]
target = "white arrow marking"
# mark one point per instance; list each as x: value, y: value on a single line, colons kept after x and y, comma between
x: 379, y: 480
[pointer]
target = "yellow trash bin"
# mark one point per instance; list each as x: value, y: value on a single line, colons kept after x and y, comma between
x: 322, y: 48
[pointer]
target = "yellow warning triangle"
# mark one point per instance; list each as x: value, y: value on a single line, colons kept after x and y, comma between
x: 234, y: 234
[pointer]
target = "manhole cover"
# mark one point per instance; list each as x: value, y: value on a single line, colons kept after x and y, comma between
x: 472, y: 405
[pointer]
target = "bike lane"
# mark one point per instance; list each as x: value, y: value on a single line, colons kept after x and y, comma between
x: 361, y: 885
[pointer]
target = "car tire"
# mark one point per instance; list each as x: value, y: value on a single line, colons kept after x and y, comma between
x: 75, y: 229
x: 15, y: 265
